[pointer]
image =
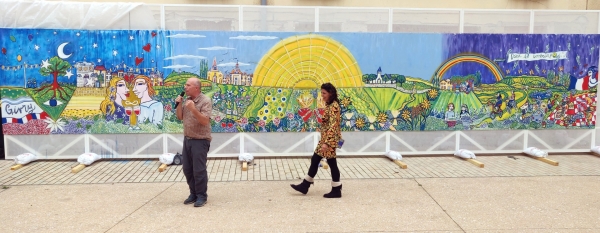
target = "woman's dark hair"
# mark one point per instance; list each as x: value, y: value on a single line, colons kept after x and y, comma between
x: 332, y: 93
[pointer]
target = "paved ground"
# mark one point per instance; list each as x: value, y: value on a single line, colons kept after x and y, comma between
x: 435, y: 194
x: 141, y: 171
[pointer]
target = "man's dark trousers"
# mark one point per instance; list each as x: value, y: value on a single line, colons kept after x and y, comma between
x: 194, y: 156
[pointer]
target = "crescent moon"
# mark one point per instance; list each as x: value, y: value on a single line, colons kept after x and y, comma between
x: 61, y: 52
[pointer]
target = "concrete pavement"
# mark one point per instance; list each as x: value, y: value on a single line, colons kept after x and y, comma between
x: 435, y: 194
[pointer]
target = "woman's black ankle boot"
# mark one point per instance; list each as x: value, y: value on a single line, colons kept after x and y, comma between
x: 302, y: 187
x: 336, y: 192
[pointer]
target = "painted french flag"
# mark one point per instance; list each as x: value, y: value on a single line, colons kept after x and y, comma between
x: 586, y: 82
x: 25, y: 119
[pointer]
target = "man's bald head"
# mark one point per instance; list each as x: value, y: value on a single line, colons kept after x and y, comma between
x: 195, y: 81
x: 192, y: 87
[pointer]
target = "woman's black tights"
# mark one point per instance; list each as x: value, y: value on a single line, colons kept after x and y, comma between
x: 314, y: 167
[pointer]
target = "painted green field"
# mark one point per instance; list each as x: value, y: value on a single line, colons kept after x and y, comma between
x: 457, y: 99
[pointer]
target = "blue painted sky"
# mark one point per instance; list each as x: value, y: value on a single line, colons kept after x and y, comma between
x: 416, y: 55
x: 582, y: 52
x: 394, y: 53
x: 108, y: 48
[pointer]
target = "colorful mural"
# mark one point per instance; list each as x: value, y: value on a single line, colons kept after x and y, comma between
x: 99, y: 82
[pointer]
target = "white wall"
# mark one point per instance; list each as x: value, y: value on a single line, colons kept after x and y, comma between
x: 471, y: 4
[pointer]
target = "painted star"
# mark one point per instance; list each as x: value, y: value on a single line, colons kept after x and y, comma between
x: 36, y: 47
x: 54, y: 32
x: 115, y: 52
x: 45, y: 63
x: 99, y: 60
x: 114, y: 37
x: 152, y: 60
x: 78, y: 34
x: 130, y: 37
x: 157, y: 46
x: 95, y: 45
x: 129, y: 55
x: 69, y: 74
x: 80, y: 47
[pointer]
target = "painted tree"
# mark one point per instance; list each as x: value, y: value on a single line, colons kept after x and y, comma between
x: 386, y: 78
x: 203, y: 69
x: 56, y: 67
x: 101, y: 79
x: 394, y: 78
x: 365, y: 78
x: 401, y: 79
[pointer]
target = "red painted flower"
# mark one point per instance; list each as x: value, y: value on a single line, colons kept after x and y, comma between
x: 320, y: 112
x: 305, y: 113
x: 223, y: 124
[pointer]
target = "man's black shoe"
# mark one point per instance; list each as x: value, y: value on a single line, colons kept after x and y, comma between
x: 191, y: 199
x: 200, y: 202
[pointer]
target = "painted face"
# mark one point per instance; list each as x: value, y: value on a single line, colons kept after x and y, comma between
x: 122, y: 91
x: 140, y: 88
x: 590, y: 73
x: 325, y: 95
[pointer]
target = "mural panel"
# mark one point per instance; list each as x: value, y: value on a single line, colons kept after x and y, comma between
x: 99, y: 82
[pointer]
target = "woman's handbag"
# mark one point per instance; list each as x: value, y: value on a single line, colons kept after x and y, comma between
x: 340, y: 143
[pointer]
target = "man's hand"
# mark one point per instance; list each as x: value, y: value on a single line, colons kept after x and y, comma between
x: 189, y: 104
x: 178, y: 99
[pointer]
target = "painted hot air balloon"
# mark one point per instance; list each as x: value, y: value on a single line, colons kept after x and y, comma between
x: 19, y: 58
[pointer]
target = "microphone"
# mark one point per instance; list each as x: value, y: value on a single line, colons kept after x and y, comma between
x: 177, y: 103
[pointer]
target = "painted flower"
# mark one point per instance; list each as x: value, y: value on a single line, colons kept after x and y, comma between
x: 360, y: 123
x: 425, y: 104
x: 346, y: 101
x: 218, y: 118
x: 432, y: 93
x: 405, y: 115
x: 261, y: 123
x: 168, y: 107
x: 223, y: 124
x: 276, y: 121
x: 55, y: 125
x: 381, y: 117
x: 290, y: 116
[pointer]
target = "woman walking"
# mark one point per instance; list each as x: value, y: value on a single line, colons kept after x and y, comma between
x: 330, y: 136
